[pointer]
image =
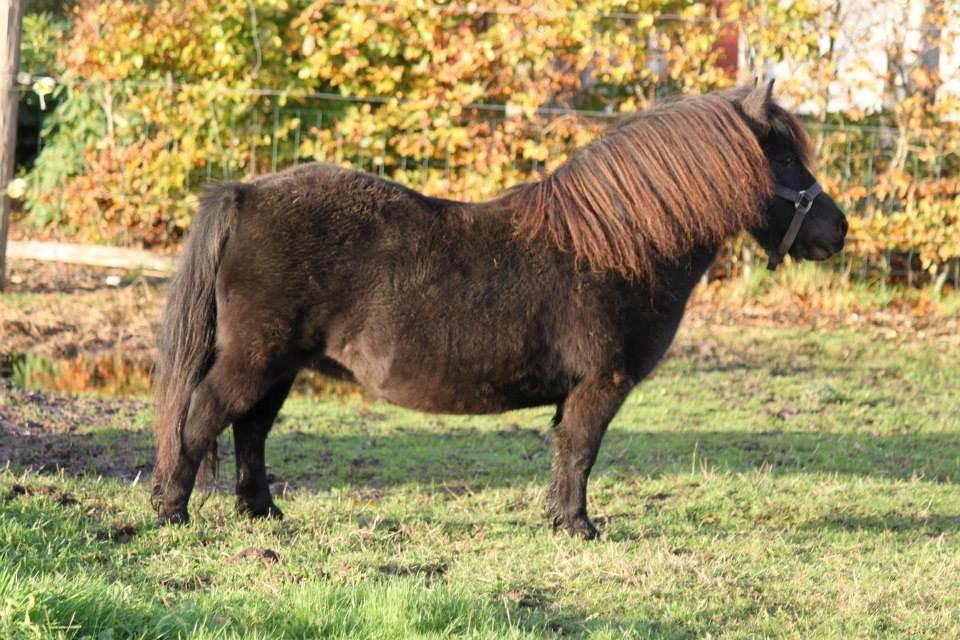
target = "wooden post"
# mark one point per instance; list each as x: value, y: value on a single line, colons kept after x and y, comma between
x: 11, y: 18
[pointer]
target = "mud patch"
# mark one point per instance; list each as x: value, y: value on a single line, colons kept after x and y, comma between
x: 95, y: 318
x: 63, y: 498
x: 119, y: 533
x: 267, y: 556
x: 44, y: 432
x: 40, y: 276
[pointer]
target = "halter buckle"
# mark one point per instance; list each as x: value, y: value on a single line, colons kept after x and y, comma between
x: 804, y: 201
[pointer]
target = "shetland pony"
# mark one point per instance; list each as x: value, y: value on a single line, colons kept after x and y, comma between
x: 562, y: 292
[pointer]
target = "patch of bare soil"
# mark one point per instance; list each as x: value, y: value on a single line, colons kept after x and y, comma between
x: 45, y: 432
x: 95, y: 317
x: 267, y: 556
x: 36, y: 276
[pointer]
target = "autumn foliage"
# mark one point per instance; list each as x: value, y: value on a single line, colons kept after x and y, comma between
x: 456, y: 99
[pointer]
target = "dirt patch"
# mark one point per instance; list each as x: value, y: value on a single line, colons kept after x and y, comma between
x: 119, y: 533
x: 267, y: 556
x: 95, y: 318
x: 45, y: 432
x: 63, y: 498
x: 36, y: 276
x: 901, y: 320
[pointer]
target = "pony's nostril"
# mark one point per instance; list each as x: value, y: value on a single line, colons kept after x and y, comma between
x: 842, y: 225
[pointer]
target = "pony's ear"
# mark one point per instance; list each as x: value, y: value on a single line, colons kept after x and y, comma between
x: 755, y: 104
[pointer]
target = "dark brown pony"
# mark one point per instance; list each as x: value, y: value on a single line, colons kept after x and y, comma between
x: 564, y: 292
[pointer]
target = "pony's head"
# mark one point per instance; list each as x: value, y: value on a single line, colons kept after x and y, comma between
x: 800, y: 219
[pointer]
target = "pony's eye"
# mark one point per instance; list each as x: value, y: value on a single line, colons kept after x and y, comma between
x: 786, y: 160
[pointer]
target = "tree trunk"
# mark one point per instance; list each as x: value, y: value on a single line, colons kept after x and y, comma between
x: 11, y: 17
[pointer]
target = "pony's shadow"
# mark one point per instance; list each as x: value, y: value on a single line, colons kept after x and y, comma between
x: 461, y: 459
x: 466, y: 460
x: 472, y: 459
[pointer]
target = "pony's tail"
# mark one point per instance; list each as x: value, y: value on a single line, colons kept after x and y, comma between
x: 188, y: 329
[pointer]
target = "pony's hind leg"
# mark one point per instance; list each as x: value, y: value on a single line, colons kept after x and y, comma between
x: 229, y: 390
x: 250, y: 435
x: 583, y: 419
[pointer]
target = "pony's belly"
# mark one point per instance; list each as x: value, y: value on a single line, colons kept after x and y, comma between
x: 428, y: 382
x: 446, y: 400
x: 429, y: 389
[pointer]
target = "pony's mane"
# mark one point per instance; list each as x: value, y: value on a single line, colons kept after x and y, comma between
x: 657, y: 184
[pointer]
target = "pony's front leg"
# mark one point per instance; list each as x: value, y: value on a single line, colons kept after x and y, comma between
x: 579, y: 427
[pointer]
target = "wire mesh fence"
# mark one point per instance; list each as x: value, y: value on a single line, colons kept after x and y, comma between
x: 275, y: 129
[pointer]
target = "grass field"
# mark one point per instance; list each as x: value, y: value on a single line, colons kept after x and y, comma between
x: 764, y: 483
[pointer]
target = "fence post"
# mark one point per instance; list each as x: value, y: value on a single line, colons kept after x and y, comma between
x: 11, y: 17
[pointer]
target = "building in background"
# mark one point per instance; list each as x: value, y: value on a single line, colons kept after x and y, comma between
x: 868, y: 56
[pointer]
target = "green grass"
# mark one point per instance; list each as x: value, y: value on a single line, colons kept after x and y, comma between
x: 761, y: 484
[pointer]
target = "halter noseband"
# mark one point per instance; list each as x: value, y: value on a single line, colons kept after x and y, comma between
x: 802, y: 202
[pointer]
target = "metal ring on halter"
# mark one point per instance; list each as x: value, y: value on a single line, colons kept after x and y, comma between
x: 802, y: 203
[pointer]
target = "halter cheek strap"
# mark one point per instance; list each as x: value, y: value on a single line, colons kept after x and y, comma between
x: 802, y: 202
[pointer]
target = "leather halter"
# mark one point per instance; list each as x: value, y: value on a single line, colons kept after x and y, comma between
x: 802, y: 202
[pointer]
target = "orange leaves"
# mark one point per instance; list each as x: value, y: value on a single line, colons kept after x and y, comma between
x: 206, y: 39
x: 906, y: 214
x: 119, y: 198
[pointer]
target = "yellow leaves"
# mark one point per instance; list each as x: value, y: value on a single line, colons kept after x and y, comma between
x: 361, y: 28
x: 645, y: 21
x: 307, y: 149
x: 534, y: 151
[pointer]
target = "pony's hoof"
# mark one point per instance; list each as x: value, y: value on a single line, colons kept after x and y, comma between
x: 259, y: 511
x: 173, y: 517
x: 576, y: 527
x: 582, y: 528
